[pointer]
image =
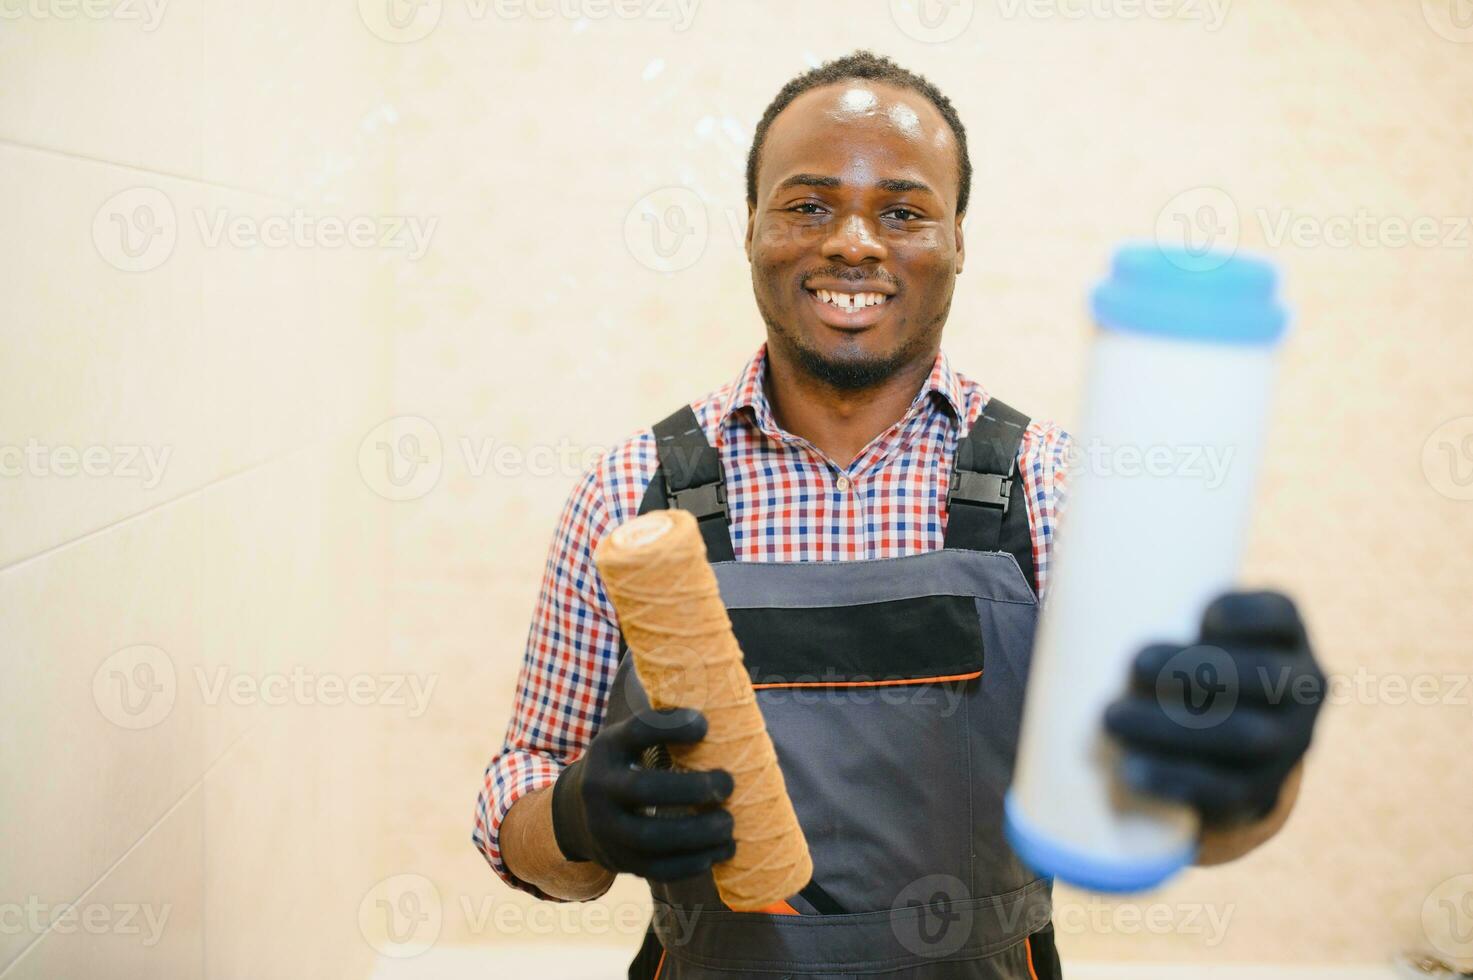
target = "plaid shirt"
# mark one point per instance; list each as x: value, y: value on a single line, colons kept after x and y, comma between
x: 786, y: 501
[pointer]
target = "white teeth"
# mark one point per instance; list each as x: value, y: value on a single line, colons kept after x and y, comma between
x: 850, y: 301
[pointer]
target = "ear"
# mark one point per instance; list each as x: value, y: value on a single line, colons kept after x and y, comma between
x: 961, y: 244
x: 751, y: 226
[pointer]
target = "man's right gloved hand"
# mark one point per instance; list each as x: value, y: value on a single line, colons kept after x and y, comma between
x: 598, y: 802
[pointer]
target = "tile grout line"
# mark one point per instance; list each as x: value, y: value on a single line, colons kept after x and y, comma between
x: 47, y: 551
x: 183, y: 798
x: 166, y: 174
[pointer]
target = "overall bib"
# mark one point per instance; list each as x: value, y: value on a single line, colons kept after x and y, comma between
x: 892, y: 690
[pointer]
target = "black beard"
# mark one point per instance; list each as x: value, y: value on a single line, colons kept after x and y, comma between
x: 846, y: 374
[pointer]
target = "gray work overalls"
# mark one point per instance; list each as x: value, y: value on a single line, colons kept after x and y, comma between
x: 892, y: 689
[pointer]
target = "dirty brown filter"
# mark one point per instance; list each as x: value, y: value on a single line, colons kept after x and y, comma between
x: 655, y: 571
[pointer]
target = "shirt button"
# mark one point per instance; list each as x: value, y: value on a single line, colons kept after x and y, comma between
x: 842, y: 483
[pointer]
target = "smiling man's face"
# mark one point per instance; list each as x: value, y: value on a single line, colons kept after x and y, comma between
x: 855, y: 243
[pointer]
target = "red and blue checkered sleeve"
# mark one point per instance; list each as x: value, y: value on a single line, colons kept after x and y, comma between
x: 571, y: 654
x: 1045, y: 459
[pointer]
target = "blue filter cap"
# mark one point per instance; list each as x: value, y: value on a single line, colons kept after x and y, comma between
x: 1212, y: 297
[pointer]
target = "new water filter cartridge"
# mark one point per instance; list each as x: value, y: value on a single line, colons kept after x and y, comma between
x: 1160, y: 486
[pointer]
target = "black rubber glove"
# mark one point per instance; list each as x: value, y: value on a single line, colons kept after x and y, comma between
x: 1221, y: 724
x: 599, y: 802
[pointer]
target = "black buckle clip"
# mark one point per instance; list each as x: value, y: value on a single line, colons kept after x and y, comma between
x: 982, y: 489
x: 708, y: 500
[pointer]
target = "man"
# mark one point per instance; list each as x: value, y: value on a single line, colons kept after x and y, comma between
x: 877, y: 522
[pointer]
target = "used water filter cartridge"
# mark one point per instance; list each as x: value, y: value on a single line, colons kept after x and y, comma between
x: 1160, y: 488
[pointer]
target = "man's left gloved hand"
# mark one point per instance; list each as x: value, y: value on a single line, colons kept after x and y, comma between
x: 1221, y: 724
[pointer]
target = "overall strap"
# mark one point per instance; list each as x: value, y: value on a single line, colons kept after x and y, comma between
x: 689, y: 477
x: 984, y: 501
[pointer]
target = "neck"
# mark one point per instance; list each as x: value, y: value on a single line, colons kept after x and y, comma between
x: 840, y: 422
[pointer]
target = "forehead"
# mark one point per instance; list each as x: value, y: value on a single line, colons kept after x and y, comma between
x: 860, y: 131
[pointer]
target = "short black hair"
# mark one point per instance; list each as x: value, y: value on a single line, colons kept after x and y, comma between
x: 867, y: 65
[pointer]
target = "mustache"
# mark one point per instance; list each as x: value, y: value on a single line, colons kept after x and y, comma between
x: 831, y: 272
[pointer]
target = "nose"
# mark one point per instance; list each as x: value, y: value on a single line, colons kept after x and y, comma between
x: 853, y: 241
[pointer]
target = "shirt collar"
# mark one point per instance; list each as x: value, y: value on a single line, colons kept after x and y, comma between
x: 747, y: 391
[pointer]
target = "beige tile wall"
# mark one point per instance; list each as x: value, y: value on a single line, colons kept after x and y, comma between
x: 279, y: 386
x: 222, y: 533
